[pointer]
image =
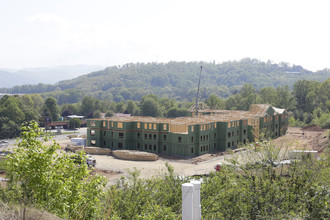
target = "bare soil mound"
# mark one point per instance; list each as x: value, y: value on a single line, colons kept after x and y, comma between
x: 134, y: 155
x: 312, y: 128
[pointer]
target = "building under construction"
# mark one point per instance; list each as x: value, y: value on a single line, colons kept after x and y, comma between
x: 188, y: 136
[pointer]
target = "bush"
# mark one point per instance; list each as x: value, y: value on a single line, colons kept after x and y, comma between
x: 40, y: 176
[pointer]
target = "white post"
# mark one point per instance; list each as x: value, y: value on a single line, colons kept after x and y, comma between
x: 187, y: 201
x: 197, y: 200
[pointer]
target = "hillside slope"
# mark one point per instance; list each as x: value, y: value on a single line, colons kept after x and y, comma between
x: 178, y: 80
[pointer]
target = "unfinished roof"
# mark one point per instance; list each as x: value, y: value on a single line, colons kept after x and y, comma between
x: 279, y: 110
x: 259, y: 109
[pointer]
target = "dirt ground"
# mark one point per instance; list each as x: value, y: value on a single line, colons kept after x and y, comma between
x: 113, y: 169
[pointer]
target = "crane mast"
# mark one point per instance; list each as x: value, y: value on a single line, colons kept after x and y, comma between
x: 199, y: 82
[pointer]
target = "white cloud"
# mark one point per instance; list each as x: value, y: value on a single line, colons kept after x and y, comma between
x: 48, y: 20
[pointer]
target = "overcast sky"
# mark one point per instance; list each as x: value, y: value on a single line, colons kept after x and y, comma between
x: 37, y: 33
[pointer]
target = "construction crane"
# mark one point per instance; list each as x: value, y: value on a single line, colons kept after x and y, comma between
x: 199, y: 82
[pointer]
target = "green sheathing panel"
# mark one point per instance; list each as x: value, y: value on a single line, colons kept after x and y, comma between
x: 283, y: 123
x: 250, y: 133
x: 199, y: 138
x: 94, y: 132
x: 243, y: 129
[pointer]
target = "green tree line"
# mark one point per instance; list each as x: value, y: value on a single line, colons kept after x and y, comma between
x: 308, y: 102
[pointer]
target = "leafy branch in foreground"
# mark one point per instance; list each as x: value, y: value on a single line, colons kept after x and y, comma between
x: 41, y: 176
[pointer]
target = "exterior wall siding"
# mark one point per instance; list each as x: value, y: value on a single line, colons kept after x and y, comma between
x: 198, y: 140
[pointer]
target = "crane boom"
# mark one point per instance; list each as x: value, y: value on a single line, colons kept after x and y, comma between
x: 199, y: 82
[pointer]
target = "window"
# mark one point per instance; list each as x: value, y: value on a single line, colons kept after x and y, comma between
x: 104, y: 143
x: 121, y: 135
x: 232, y: 134
x: 233, y: 124
x: 149, y: 146
x: 237, y: 142
x: 145, y: 136
x: 229, y: 125
x: 92, y: 132
x: 155, y: 137
x: 154, y: 147
x: 179, y: 139
x: 237, y: 123
x: 111, y: 133
x: 228, y: 145
x: 229, y: 134
x: 244, y: 122
x: 204, y: 138
x: 112, y: 144
x: 120, y: 145
x: 215, y: 145
x: 265, y: 119
x: 215, y: 125
x: 150, y: 136
x: 201, y: 138
x: 244, y: 141
x: 232, y: 143
x: 207, y: 137
x: 164, y: 147
x: 93, y: 142
x: 164, y: 137
x: 138, y: 134
x: 192, y: 150
x: 138, y: 145
x: 155, y: 126
x: 207, y: 147
x: 150, y: 126
x: 276, y: 117
x: 145, y: 146
x: 192, y: 128
x: 145, y: 126
x: 276, y: 126
x: 244, y: 131
x: 138, y: 125
x: 92, y: 123
x: 237, y: 133
x: 201, y: 148
x: 215, y: 135
x: 120, y: 125
x: 276, y: 134
x: 104, y: 133
x: 192, y: 139
x: 104, y: 124
x: 164, y: 126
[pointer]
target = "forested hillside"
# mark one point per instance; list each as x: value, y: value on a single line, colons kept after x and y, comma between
x: 177, y: 80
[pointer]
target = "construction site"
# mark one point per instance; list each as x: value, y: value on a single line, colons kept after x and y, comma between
x: 208, y: 131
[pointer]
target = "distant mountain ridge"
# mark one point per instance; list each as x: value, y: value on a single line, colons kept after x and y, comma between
x: 177, y: 80
x: 46, y: 75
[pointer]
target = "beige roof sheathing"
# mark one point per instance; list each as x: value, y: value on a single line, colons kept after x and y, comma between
x: 180, y: 125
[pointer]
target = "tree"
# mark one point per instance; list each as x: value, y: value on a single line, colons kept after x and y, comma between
x: 131, y: 108
x: 39, y: 175
x: 97, y: 114
x: 75, y: 123
x: 176, y: 112
x: 109, y: 113
x: 149, y: 107
x: 215, y: 103
x: 51, y: 104
x: 88, y: 106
